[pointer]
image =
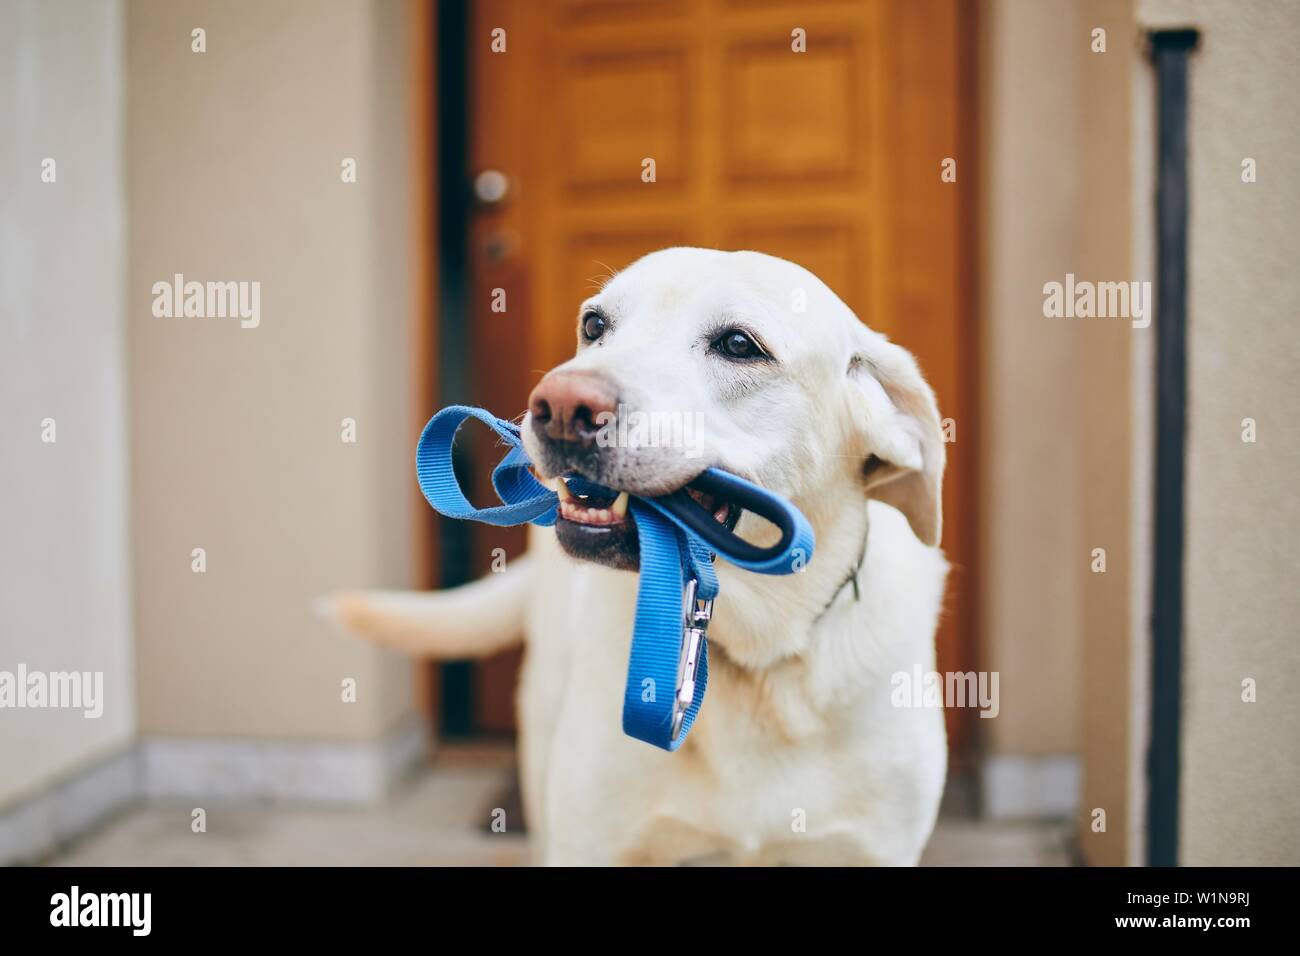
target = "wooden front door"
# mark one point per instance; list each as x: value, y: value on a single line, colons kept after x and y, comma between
x: 815, y: 131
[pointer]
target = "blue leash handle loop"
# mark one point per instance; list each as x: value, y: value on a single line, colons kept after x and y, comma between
x: 678, y: 541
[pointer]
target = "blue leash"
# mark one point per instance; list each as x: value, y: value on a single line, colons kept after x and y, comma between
x: 678, y: 584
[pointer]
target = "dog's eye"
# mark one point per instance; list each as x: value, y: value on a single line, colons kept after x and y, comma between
x: 593, y: 326
x: 735, y: 344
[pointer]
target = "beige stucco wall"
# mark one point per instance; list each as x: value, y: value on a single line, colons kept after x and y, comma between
x: 65, y: 585
x: 1240, y: 761
x: 1116, y: 388
x: 236, y: 440
x: 1070, y: 187
x: 1030, y: 477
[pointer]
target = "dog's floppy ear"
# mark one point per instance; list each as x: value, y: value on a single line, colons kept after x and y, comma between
x: 895, y: 415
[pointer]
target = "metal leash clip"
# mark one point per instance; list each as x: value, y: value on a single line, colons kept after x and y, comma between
x: 695, y: 623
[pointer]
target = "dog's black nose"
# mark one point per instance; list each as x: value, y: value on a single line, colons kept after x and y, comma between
x: 572, y: 406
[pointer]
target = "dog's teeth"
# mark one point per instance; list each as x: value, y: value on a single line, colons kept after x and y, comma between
x: 619, y: 507
x: 603, y: 516
x: 562, y: 490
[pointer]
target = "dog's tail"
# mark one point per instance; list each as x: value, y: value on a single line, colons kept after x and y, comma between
x: 474, y: 620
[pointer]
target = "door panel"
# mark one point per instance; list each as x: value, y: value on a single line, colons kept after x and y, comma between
x: 830, y: 158
x: 791, y: 119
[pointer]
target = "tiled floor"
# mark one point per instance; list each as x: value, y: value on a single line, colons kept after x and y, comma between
x: 436, y: 819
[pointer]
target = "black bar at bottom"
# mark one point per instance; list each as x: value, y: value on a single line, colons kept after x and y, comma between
x: 337, y: 907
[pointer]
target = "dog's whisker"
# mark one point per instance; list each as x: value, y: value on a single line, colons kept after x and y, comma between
x: 601, y: 281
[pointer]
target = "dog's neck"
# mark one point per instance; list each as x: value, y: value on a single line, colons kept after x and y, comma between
x: 761, y: 620
x: 852, y: 578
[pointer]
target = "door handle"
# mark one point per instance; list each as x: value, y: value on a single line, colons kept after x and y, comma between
x: 491, y: 187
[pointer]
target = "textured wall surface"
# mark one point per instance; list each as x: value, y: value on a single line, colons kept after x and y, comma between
x: 1029, y: 379
x: 1241, y: 764
x: 65, y: 583
x: 235, y: 175
x: 1116, y: 385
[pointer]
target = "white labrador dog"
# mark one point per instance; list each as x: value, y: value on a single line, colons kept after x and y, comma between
x: 798, y: 755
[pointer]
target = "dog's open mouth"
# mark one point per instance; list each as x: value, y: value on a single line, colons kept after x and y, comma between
x: 595, y: 509
x: 596, y: 524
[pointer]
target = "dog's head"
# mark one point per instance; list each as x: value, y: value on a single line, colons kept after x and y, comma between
x: 691, y: 358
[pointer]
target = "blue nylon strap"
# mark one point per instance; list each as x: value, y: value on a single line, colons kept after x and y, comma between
x: 523, y: 497
x: 657, y: 634
x: 671, y: 554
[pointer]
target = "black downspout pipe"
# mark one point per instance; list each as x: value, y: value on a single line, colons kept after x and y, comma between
x: 1170, y: 50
